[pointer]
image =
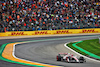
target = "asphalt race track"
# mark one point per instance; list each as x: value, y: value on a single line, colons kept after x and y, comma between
x: 45, y: 49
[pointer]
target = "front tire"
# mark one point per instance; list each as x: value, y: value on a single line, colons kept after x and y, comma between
x: 82, y: 60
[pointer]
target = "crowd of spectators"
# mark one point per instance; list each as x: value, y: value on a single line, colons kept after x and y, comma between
x: 49, y: 15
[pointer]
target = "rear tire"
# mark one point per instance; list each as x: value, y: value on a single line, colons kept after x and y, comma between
x: 82, y: 60
x: 59, y: 58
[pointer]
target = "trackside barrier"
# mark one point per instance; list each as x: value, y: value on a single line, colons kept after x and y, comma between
x: 51, y: 32
x: 99, y: 39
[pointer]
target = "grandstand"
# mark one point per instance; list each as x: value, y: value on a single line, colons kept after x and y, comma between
x: 31, y: 15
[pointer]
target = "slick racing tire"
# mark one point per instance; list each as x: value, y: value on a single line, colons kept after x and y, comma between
x: 59, y: 58
x: 82, y: 60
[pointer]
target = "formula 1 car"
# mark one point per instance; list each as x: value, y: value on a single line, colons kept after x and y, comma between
x: 70, y: 58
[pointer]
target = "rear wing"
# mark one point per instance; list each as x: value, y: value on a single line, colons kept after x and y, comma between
x: 66, y: 54
x: 63, y: 53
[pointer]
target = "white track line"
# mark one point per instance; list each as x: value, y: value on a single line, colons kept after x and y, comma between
x: 13, y: 53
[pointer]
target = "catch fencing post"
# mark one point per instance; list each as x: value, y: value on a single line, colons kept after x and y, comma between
x: 99, y: 39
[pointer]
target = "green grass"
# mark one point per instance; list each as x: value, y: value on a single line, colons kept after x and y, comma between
x: 70, y: 45
x: 92, y: 46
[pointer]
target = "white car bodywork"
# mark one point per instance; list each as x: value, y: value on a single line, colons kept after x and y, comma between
x: 69, y: 58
